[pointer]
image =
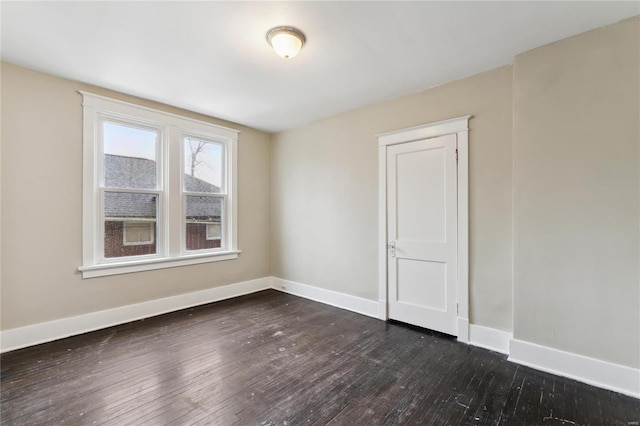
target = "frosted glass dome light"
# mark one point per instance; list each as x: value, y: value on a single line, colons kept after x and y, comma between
x: 286, y: 41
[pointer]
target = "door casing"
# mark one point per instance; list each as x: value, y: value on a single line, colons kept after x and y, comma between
x: 460, y: 127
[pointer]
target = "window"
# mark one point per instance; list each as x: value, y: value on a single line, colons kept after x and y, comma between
x: 213, y: 231
x: 204, y: 191
x: 138, y: 233
x: 159, y: 189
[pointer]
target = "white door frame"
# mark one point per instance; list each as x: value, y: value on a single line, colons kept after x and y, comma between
x: 460, y: 127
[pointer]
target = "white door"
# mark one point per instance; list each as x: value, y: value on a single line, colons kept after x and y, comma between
x: 421, y: 232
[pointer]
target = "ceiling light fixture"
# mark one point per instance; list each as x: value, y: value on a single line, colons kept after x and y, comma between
x: 286, y: 41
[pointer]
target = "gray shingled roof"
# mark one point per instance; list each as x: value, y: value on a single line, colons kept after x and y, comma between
x: 131, y: 173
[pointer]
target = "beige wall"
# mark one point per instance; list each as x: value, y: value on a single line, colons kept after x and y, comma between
x: 42, y: 209
x: 324, y: 189
x: 577, y: 136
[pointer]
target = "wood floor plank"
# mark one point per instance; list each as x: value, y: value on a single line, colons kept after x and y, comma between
x: 271, y: 358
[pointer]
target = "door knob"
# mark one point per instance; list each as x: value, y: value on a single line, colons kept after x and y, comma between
x: 392, y: 248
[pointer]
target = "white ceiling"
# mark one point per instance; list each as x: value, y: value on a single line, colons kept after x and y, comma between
x: 212, y: 57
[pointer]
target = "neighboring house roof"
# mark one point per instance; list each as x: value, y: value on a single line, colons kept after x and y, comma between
x: 129, y: 205
x: 129, y: 172
x: 132, y: 172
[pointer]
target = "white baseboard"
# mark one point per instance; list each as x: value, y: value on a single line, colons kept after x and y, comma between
x: 463, y: 330
x: 340, y: 300
x: 382, y: 310
x: 30, y: 335
x: 489, y: 338
x: 593, y: 371
x: 596, y: 372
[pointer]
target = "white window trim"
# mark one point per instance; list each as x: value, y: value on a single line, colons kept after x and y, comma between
x: 170, y: 231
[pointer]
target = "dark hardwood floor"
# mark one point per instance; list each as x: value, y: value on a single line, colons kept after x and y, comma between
x: 271, y: 358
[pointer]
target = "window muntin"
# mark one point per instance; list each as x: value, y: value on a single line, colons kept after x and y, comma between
x: 141, y: 189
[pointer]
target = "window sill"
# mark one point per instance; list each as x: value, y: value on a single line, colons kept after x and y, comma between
x: 106, y: 269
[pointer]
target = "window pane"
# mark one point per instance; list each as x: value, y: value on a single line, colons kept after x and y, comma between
x: 129, y: 157
x: 138, y: 233
x: 129, y: 224
x: 202, y: 166
x: 214, y: 231
x: 204, y: 216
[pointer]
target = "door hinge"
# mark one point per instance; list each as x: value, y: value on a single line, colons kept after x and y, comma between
x: 456, y: 154
x: 457, y: 308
